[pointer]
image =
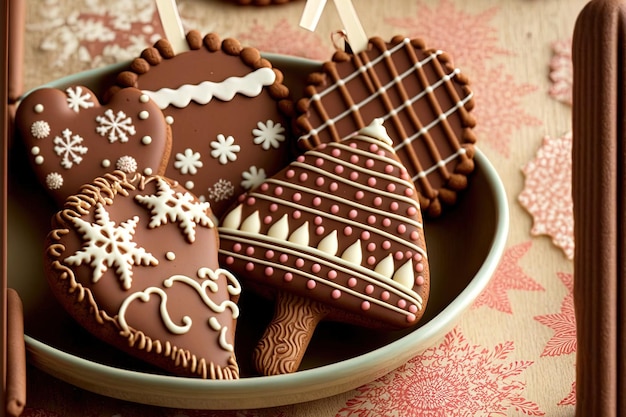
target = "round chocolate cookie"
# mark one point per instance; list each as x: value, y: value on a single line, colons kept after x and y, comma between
x: 424, y: 100
x: 227, y: 108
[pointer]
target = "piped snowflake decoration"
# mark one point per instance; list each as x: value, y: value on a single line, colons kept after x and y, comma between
x: 547, y: 193
x: 69, y: 148
x: 253, y: 177
x: 562, y: 71
x: 221, y: 190
x: 126, y: 164
x: 188, y: 162
x: 54, y: 181
x: 269, y: 134
x: 168, y: 204
x: 76, y: 100
x: 107, y: 244
x: 40, y: 129
x: 224, y: 149
x: 115, y: 126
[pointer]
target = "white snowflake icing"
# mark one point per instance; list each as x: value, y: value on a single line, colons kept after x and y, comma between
x: 269, y: 134
x: 224, y: 149
x: 54, y: 181
x: 116, y: 126
x: 168, y: 204
x: 221, y: 190
x: 126, y: 164
x: 253, y: 177
x: 188, y: 162
x: 40, y: 129
x: 69, y: 148
x: 76, y: 100
x: 106, y: 244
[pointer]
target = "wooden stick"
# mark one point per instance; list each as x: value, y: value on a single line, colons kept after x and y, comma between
x: 172, y: 25
x: 598, y: 192
x: 16, y: 356
x: 4, y: 132
x: 17, y: 19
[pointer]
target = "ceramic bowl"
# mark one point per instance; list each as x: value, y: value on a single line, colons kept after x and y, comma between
x: 464, y: 245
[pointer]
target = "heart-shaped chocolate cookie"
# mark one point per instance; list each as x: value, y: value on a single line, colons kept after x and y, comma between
x: 134, y: 260
x: 424, y: 100
x: 71, y: 138
x: 227, y: 108
x: 337, y: 235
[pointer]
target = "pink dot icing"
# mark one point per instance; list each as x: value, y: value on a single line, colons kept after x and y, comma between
x: 339, y: 169
x: 354, y: 159
x: 290, y: 173
x: 352, y: 282
x: 251, y: 201
x: 386, y: 222
x: 265, y: 186
x: 385, y: 295
x: 419, y: 280
x: 359, y: 195
x: 354, y: 175
x: 288, y: 277
x: 278, y: 191
x: 237, y: 247
x: 401, y: 228
x: 249, y: 267
x: 386, y: 245
x: 304, y: 176
x: 311, y: 284
x: 388, y: 169
x: 317, y: 201
x: 394, y: 206
x: 401, y: 303
x: 283, y: 258
x: 333, y: 186
x: 336, y: 294
x: 336, y: 153
x: 419, y: 267
x: 297, y: 197
x: 318, y: 220
x: 297, y: 214
x: 371, y: 219
x: 230, y: 260
x: 267, y: 219
x: 369, y: 163
x: 319, y: 162
x: 391, y: 188
x: 371, y: 247
x: 316, y: 268
x: 269, y: 271
x: 378, y: 201
x: 411, y: 211
x: 369, y: 290
x: 269, y: 254
x: 399, y: 255
x: 334, y: 209
x: 410, y: 318
x: 300, y: 158
x: 273, y: 207
x: 415, y: 235
x: 319, y: 181
x: 365, y: 305
x: 365, y: 235
x: 250, y: 250
x: 347, y: 231
x: 371, y: 260
x: 299, y: 262
x: 413, y: 308
x: 353, y: 213
x: 319, y: 230
x: 371, y: 181
x: 332, y: 274
x: 418, y: 257
x: 408, y: 192
x: 373, y: 148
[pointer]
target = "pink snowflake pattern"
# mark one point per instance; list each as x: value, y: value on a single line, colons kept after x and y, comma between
x: 547, y: 193
x: 571, y: 397
x: 508, y: 276
x: 288, y: 39
x: 471, y: 39
x: 500, y: 109
x: 562, y: 71
x: 452, y: 379
x: 563, y: 342
x: 245, y: 413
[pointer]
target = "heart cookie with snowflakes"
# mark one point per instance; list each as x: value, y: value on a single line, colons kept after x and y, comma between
x: 71, y: 138
x: 425, y: 101
x: 336, y: 235
x: 227, y: 108
x: 134, y: 260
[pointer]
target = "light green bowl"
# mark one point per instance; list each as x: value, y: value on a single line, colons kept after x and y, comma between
x: 464, y: 245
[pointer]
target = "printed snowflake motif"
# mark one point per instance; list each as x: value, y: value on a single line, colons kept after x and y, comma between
x: 116, y: 126
x: 547, y: 193
x: 500, y: 107
x: 69, y: 148
x: 272, y: 412
x: 224, y: 149
x: 107, y: 244
x: 452, y: 379
x: 471, y: 39
x: 563, y: 342
x: 40, y: 129
x: 76, y: 100
x: 126, y: 164
x: 221, y: 190
x: 562, y: 71
x: 188, y: 162
x: 269, y: 134
x: 179, y: 207
x: 508, y: 276
x: 54, y: 181
x: 253, y: 177
x: 571, y: 397
x: 288, y: 39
